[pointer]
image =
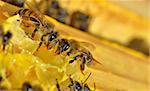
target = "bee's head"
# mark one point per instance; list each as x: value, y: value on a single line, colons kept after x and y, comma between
x: 78, y: 86
x: 87, y: 56
x: 53, y: 36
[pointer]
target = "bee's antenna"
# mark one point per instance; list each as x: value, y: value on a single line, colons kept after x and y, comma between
x: 87, y: 78
x: 97, y: 61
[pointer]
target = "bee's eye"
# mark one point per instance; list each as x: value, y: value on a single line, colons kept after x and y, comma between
x: 53, y: 36
x: 26, y: 87
x: 78, y: 86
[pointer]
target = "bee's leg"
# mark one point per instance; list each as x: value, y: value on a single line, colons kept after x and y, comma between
x: 71, y: 61
x: 82, y: 65
x: 47, y: 45
x: 42, y: 39
x: 53, y: 45
x: 69, y: 52
x: 57, y: 85
x: 39, y: 46
x: 70, y: 86
x: 3, y: 47
x: 75, y: 58
x: 71, y: 80
x: 59, y: 49
x: 33, y: 34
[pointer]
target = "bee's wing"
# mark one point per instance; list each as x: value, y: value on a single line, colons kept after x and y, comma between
x: 42, y: 18
x: 30, y: 5
x: 87, y: 45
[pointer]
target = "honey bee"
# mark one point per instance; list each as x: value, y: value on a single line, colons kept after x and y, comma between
x: 51, y: 39
x: 56, y: 11
x: 28, y: 15
x: 40, y: 24
x: 48, y: 34
x: 80, y: 20
x: 5, y: 38
x: 72, y: 47
x: 77, y: 86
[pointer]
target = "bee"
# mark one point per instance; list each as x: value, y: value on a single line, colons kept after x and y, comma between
x: 37, y: 20
x: 69, y: 47
x: 77, y: 86
x: 72, y: 47
x: 5, y: 38
x: 80, y: 20
x: 28, y: 15
x: 56, y: 11
x: 52, y: 39
x: 46, y: 29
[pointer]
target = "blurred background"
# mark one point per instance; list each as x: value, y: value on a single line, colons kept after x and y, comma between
x: 137, y: 6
